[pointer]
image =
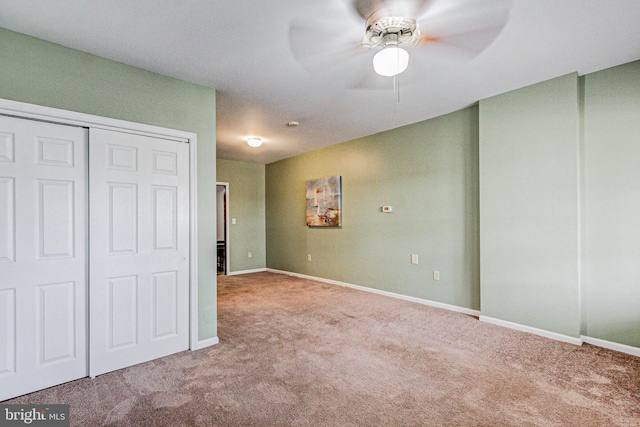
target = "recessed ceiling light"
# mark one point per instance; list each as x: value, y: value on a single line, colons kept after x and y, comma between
x: 254, y: 142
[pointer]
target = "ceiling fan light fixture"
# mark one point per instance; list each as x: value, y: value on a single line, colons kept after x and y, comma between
x: 254, y: 142
x: 391, y: 61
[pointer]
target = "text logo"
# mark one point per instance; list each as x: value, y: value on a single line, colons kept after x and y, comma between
x: 34, y: 415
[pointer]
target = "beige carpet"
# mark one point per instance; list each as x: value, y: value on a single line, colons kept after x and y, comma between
x: 295, y: 352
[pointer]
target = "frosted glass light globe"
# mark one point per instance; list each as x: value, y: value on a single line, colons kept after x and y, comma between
x: 391, y: 61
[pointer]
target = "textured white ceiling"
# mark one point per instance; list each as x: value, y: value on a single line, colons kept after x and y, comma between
x: 241, y: 48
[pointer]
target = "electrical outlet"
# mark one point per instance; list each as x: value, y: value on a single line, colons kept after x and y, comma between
x: 436, y: 275
x: 248, y: 254
x: 308, y: 257
x: 414, y: 258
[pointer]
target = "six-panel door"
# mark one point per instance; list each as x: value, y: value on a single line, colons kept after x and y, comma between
x: 138, y: 235
x: 139, y: 264
x: 42, y: 255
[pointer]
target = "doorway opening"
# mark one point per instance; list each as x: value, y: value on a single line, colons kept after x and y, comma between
x: 222, y: 227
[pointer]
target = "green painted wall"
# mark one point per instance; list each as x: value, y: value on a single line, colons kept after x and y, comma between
x: 547, y: 175
x: 612, y: 204
x: 247, y: 205
x: 529, y: 206
x: 428, y: 173
x: 528, y: 148
x: 43, y: 73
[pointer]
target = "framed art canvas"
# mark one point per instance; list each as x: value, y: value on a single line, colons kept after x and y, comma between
x: 324, y: 202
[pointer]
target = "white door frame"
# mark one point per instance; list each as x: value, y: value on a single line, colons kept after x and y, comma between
x: 227, y: 230
x: 55, y: 115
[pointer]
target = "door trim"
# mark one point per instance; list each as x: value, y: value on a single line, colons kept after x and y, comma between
x: 59, y: 116
x: 227, y: 230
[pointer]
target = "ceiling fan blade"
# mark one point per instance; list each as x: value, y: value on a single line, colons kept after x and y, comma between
x: 367, y: 79
x: 461, y: 29
x: 325, y: 45
x: 405, y: 8
x: 332, y: 55
x: 330, y: 37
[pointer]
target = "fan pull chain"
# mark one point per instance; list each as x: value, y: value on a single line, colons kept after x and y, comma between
x: 396, y: 92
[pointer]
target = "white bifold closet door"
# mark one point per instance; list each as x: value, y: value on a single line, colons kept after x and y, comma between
x: 43, y: 313
x: 139, y: 249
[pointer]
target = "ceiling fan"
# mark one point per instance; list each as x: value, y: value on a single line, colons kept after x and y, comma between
x: 363, y: 42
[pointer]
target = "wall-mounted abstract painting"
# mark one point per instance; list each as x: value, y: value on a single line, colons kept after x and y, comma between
x: 324, y: 202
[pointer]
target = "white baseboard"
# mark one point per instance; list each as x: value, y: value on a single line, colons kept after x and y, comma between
x: 532, y: 330
x: 634, y: 351
x: 257, y: 270
x: 385, y: 293
x: 622, y: 348
x: 206, y: 343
